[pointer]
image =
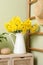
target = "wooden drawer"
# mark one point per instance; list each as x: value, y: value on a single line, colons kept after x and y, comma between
x: 16, y: 59
x: 4, y: 62
x: 23, y: 61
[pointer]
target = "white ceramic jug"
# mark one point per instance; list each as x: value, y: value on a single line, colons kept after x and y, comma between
x: 19, y: 45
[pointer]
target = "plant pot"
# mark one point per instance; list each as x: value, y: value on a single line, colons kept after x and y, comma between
x: 19, y: 45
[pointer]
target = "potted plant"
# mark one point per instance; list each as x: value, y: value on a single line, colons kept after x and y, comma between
x: 18, y: 27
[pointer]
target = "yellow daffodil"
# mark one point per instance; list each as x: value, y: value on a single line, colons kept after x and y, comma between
x: 16, y: 24
x: 27, y: 23
x: 8, y: 27
x: 34, y: 28
x: 16, y: 20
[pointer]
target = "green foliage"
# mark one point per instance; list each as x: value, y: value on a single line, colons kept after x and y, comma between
x: 2, y: 36
x: 5, y: 42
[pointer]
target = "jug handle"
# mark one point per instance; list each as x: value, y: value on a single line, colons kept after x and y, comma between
x: 11, y: 38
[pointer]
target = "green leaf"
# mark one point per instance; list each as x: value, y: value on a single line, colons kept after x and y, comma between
x: 0, y: 40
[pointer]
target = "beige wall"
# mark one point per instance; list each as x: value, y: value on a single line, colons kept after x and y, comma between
x: 10, y: 8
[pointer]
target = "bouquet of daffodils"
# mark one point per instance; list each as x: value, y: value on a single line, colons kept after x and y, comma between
x: 17, y: 25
